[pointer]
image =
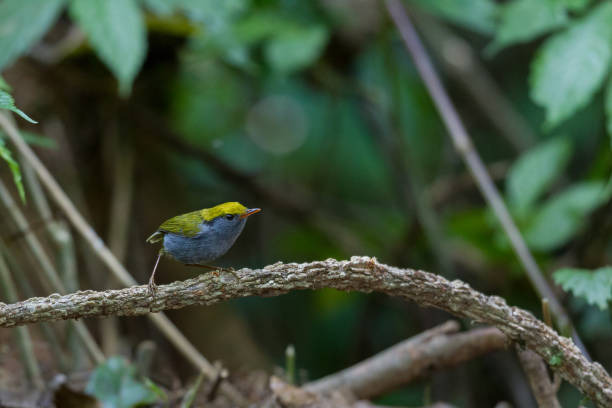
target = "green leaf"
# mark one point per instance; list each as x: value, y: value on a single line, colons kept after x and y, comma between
x: 7, y: 102
x: 114, y: 383
x: 117, y: 33
x: 562, y: 215
x: 476, y: 15
x: 594, y: 286
x: 534, y: 172
x: 6, y: 155
x: 524, y: 20
x: 22, y: 24
x: 571, y: 66
x: 295, y: 48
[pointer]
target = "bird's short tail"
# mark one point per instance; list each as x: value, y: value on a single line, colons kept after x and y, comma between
x: 155, y: 237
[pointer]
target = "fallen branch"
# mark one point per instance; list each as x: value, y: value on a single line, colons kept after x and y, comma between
x: 413, y: 358
x: 362, y: 274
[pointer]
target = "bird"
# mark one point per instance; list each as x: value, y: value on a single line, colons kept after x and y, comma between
x: 199, y: 237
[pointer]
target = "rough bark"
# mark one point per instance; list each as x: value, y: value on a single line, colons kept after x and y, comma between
x: 362, y: 274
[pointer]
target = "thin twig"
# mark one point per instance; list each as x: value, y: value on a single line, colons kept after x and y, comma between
x: 50, y: 275
x: 461, y: 62
x: 358, y: 274
x: 24, y: 341
x: 473, y: 161
x: 101, y: 250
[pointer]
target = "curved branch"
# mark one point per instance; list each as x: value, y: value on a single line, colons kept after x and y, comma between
x: 362, y: 274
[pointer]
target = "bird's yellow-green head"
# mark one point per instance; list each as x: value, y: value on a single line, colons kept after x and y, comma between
x: 231, y: 208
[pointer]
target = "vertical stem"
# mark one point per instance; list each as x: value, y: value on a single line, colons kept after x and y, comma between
x: 473, y: 161
x: 461, y: 62
x: 290, y: 364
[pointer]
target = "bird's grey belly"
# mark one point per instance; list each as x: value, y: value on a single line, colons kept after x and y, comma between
x: 193, y: 250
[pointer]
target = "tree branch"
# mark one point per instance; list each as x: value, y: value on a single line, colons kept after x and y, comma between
x: 435, y: 348
x: 535, y: 369
x: 362, y: 274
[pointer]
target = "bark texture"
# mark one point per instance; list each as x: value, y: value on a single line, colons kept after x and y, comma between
x: 362, y: 274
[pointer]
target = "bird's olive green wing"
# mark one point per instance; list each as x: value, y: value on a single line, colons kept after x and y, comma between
x: 185, y: 224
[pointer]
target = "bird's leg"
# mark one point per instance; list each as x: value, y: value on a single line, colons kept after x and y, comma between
x: 216, y: 268
x: 152, y: 285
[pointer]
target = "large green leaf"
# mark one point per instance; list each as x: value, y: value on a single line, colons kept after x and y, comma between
x: 116, y: 31
x: 477, y: 15
x: 6, y: 155
x: 295, y: 48
x: 594, y: 286
x: 571, y: 66
x: 523, y: 20
x: 533, y: 173
x: 23, y: 23
x: 114, y: 383
x: 562, y: 215
x: 7, y: 102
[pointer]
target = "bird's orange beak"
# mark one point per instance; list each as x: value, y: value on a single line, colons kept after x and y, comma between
x: 250, y: 211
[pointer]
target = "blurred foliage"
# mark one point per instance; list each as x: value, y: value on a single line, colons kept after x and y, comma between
x: 114, y: 383
x: 314, y: 111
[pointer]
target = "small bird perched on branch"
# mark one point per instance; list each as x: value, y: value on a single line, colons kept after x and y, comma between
x: 201, y: 236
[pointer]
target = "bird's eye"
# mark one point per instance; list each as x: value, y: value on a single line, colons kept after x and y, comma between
x: 230, y: 216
